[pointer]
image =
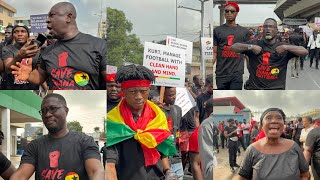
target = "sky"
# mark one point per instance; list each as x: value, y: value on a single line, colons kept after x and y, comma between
x: 86, y: 107
x: 155, y: 19
x: 86, y: 9
x: 291, y: 102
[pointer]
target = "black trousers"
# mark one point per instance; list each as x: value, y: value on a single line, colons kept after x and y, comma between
x: 215, y: 142
x: 240, y: 142
x: 302, y: 61
x: 223, y: 139
x: 232, y: 149
x: 232, y: 82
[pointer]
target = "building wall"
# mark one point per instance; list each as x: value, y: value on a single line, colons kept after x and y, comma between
x: 6, y: 15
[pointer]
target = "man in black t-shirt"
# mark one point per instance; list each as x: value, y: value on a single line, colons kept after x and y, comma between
x: 174, y: 118
x: 230, y: 66
x: 76, y: 61
x: 197, y: 88
x: 60, y: 154
x: 205, y: 96
x: 13, y: 53
x: 6, y: 167
x: 230, y: 132
x: 8, y: 40
x: 312, y: 150
x: 268, y: 58
x: 113, y: 90
x: 297, y: 131
x: 296, y: 39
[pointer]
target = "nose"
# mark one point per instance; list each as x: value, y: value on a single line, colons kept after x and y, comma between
x: 138, y: 96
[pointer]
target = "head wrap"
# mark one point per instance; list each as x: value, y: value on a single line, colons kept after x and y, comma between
x: 272, y: 109
x: 23, y: 26
x: 235, y: 5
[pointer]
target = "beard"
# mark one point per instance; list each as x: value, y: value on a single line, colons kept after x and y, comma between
x: 54, y: 130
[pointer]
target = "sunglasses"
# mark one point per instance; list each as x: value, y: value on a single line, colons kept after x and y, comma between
x: 227, y: 11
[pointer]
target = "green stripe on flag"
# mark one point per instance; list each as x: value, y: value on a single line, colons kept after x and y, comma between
x: 118, y: 132
x: 167, y: 147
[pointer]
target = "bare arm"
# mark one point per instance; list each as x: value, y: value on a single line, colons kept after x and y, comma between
x: 239, y: 47
x: 1, y: 65
x: 228, y: 135
x: 196, y: 166
x: 8, y: 173
x: 165, y: 163
x: 296, y: 50
x: 196, y: 118
x: 94, y: 169
x: 111, y: 172
x: 307, y: 153
x: 38, y: 76
x: 215, y: 51
x: 24, y: 172
x: 304, y: 175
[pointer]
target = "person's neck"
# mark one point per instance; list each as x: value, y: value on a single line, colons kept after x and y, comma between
x: 60, y: 134
x: 308, y: 126
x: 136, y: 111
x: 271, y: 41
x: 231, y: 23
x: 71, y: 34
x: 272, y: 141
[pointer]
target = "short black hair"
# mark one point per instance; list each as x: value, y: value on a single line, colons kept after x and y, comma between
x: 9, y: 26
x: 299, y: 119
x: 133, y: 72
x: 272, y: 19
x: 209, y: 79
x: 297, y: 30
x: 61, y: 99
x: 309, y: 118
x: 195, y: 77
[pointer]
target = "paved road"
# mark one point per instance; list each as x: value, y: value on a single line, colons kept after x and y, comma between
x: 309, y: 78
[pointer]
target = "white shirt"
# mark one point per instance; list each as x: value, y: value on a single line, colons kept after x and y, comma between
x: 318, y: 41
x: 245, y: 126
x: 312, y: 42
x: 304, y: 134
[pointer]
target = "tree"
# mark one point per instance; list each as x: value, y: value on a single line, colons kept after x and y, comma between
x: 121, y: 46
x: 74, y: 126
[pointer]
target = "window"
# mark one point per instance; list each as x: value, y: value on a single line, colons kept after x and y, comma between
x: 1, y: 9
x: 10, y: 14
x: 1, y: 23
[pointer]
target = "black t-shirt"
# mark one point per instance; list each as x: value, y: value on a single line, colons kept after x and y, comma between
x: 175, y: 114
x: 268, y: 70
x: 296, y: 39
x: 61, y: 158
x: 4, y: 163
x: 298, y: 128
x: 112, y: 103
x: 313, y: 141
x: 196, y: 90
x: 201, y: 99
x: 129, y: 160
x: 229, y: 62
x: 75, y: 64
x: 187, y: 123
x: 230, y: 129
x: 10, y: 52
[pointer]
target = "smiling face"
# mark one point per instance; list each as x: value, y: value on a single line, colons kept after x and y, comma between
x: 273, y: 124
x: 230, y: 13
x: 54, y: 114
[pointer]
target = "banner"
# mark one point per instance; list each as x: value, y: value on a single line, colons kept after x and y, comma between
x: 317, y: 21
x: 167, y: 64
x: 184, y: 100
x: 187, y: 46
x: 207, y: 48
x: 39, y: 23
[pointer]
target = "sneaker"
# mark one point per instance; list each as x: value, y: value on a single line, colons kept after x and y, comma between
x: 310, y: 65
x: 232, y: 169
x: 317, y: 67
x: 237, y: 165
x: 297, y: 75
x: 292, y: 76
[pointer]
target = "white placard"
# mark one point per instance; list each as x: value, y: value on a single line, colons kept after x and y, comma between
x: 181, y: 44
x: 184, y: 100
x: 167, y: 64
x: 207, y: 48
x: 317, y: 21
x: 111, y: 69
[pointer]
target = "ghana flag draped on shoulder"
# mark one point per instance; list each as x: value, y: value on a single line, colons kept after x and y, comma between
x: 151, y: 130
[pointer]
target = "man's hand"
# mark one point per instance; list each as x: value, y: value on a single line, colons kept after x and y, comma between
x: 256, y: 49
x: 281, y: 49
x: 22, y: 72
x: 29, y: 49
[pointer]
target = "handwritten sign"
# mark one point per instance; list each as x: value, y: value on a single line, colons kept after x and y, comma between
x: 184, y: 100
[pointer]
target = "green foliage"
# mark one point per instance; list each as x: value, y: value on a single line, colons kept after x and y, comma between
x: 121, y: 46
x: 74, y: 126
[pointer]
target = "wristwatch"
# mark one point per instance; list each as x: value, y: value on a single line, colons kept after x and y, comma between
x: 250, y: 47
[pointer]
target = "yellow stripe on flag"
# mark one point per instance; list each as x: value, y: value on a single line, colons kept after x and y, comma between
x: 146, y: 139
x: 160, y: 121
x: 114, y: 115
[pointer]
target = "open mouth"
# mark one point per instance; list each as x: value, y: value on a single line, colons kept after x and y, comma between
x: 274, y: 130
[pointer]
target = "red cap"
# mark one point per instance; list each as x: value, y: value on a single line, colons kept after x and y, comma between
x: 111, y: 78
x: 235, y: 5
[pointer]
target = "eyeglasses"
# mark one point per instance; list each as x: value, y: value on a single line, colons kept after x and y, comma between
x: 51, y: 109
x: 227, y: 11
x: 269, y: 26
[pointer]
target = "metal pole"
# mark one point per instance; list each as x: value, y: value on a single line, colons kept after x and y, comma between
x: 176, y: 18
x: 203, y: 63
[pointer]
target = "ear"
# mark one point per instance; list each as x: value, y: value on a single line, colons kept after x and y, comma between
x: 69, y: 17
x: 67, y: 110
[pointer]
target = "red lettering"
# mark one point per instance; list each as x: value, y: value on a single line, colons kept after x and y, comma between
x: 61, y: 73
x: 263, y: 71
x: 48, y: 174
